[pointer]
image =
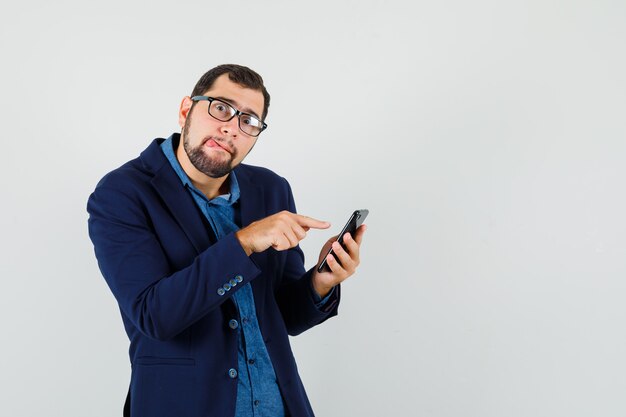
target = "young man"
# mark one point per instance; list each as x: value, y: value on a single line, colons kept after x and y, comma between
x: 201, y: 253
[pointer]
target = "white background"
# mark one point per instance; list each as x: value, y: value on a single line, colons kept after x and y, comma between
x: 487, y: 138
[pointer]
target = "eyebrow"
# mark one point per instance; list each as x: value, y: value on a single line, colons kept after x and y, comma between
x: 235, y: 104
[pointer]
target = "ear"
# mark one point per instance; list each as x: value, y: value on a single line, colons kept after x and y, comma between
x: 183, y: 112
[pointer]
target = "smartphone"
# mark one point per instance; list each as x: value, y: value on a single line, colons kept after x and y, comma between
x: 355, y: 220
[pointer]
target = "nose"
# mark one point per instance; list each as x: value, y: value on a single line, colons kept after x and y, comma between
x: 230, y: 128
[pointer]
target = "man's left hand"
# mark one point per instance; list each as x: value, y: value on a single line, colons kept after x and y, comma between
x: 323, y: 282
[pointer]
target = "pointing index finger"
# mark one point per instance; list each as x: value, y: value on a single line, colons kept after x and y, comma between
x: 310, y: 222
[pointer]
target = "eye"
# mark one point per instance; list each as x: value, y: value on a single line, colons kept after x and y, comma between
x: 249, y: 120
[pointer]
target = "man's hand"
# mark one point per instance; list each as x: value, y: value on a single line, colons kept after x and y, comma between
x: 280, y: 231
x: 323, y: 282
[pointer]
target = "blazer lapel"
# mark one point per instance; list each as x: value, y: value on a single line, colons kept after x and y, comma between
x: 251, y: 200
x: 182, y: 206
x: 252, y: 206
x: 176, y: 197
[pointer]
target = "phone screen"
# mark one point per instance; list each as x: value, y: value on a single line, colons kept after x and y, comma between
x: 355, y: 220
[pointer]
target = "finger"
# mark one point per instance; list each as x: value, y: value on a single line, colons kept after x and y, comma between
x: 310, y: 222
x: 291, y: 221
x: 334, y: 266
x: 352, y: 247
x: 299, y: 231
x: 358, y: 237
x: 290, y: 230
x: 292, y: 238
x: 280, y: 243
x: 284, y: 236
x: 347, y: 262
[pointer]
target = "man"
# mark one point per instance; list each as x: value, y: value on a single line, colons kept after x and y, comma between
x: 201, y: 253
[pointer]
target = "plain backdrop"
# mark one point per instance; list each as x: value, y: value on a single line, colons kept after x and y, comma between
x: 487, y: 139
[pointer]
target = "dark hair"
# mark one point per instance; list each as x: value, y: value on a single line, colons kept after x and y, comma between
x: 239, y: 74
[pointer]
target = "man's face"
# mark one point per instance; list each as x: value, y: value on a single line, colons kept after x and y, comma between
x: 212, y: 146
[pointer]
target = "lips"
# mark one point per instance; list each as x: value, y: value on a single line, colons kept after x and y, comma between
x: 212, y: 143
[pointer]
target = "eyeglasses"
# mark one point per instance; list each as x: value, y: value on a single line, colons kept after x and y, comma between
x: 249, y: 124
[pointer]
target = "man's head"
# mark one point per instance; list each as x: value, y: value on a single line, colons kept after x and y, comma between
x: 212, y: 144
x: 238, y: 74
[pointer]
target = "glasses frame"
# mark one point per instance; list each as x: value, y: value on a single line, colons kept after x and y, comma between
x: 237, y: 113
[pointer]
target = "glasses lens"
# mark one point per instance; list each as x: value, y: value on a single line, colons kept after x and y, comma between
x: 221, y: 110
x: 250, y: 124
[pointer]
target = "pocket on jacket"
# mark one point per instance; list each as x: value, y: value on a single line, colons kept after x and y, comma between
x: 155, y: 360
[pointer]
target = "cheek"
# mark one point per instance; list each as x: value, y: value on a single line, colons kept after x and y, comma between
x: 196, y: 131
x: 244, y: 150
x: 247, y: 146
x: 197, y: 123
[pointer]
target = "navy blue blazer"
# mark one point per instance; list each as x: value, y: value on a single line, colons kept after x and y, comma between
x: 165, y: 267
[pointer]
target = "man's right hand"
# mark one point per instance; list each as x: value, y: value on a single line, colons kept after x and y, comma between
x: 280, y: 231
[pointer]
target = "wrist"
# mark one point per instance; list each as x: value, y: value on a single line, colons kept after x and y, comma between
x: 321, y: 289
x: 241, y: 237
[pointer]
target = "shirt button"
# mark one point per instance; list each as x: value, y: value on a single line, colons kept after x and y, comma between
x: 244, y: 320
x: 239, y: 278
x: 256, y: 402
x: 220, y: 291
x: 233, y: 324
x: 233, y: 282
x: 227, y: 286
x: 232, y: 373
x: 251, y: 361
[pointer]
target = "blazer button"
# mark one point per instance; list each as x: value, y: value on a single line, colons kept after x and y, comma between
x: 232, y: 373
x: 233, y: 282
x: 220, y: 291
x: 239, y: 278
x: 233, y: 324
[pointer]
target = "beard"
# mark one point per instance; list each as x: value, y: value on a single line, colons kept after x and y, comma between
x: 213, y: 167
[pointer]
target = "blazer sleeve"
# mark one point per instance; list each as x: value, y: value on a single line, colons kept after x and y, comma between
x: 159, y: 302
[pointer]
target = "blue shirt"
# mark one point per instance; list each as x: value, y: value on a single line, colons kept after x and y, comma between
x: 257, y: 390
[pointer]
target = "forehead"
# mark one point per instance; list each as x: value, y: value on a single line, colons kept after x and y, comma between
x: 245, y: 99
